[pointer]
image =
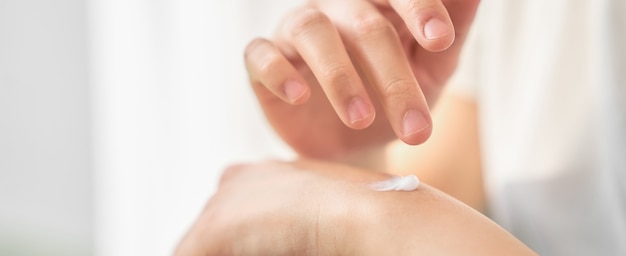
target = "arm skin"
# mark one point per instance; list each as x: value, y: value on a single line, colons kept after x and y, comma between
x: 319, y: 208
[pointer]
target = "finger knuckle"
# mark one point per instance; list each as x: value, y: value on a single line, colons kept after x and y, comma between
x: 261, y: 57
x: 398, y: 88
x: 231, y: 173
x: 415, y: 7
x: 253, y: 46
x: 306, y: 20
x: 372, y: 26
x: 268, y: 65
x: 337, y: 75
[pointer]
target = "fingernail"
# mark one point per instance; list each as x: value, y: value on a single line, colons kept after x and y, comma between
x: 294, y: 90
x: 436, y: 28
x: 358, y: 110
x: 414, y: 122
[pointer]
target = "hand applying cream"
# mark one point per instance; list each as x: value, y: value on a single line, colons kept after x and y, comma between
x: 396, y: 183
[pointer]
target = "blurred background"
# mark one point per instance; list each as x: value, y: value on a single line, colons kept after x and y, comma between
x: 118, y: 116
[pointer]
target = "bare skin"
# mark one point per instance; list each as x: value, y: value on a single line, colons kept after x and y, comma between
x: 316, y: 208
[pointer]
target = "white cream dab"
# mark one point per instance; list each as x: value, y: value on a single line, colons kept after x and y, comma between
x: 397, y: 183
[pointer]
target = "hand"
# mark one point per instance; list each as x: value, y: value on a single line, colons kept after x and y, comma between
x: 316, y: 208
x: 272, y: 208
x: 344, y: 75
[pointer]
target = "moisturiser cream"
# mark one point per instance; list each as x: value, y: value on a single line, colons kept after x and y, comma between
x: 397, y: 183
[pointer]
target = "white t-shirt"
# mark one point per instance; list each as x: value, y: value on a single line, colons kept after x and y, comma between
x: 549, y: 78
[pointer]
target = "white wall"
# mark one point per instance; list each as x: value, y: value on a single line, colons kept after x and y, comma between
x: 45, y: 149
